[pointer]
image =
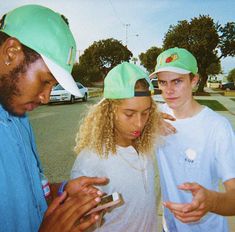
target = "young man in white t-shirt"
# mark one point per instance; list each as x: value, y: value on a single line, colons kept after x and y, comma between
x: 199, y: 155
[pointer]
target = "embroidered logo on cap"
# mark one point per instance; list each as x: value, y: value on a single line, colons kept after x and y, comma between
x: 172, y: 57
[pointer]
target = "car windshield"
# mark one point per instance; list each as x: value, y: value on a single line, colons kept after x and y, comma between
x: 58, y: 87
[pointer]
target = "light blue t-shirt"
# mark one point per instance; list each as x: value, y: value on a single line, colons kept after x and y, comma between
x: 22, y: 203
x: 202, y: 151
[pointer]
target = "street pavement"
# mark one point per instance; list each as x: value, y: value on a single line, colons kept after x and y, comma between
x: 226, y: 101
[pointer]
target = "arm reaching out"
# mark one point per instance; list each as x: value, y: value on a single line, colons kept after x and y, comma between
x: 204, y: 201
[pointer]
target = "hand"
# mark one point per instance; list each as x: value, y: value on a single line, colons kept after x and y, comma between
x: 85, y: 184
x: 167, y: 116
x: 165, y: 127
x: 68, y: 216
x: 194, y: 211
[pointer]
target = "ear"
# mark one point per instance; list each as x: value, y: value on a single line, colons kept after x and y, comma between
x: 12, y: 52
x: 195, y: 80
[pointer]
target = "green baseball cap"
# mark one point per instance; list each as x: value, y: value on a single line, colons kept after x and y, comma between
x: 120, y: 82
x: 178, y: 60
x: 46, y: 32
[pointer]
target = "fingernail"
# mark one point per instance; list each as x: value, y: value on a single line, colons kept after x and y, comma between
x: 96, y: 217
x: 99, y: 193
x: 97, y: 199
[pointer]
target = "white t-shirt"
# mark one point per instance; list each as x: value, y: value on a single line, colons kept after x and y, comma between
x: 202, y: 151
x: 131, y: 175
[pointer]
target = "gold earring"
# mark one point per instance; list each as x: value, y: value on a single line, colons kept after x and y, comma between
x: 7, y: 63
x: 16, y: 49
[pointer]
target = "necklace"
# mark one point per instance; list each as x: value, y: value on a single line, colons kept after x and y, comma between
x: 142, y: 169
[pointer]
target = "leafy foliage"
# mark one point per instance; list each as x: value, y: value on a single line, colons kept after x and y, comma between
x: 99, y: 58
x: 227, y: 39
x: 214, y: 68
x: 209, y: 42
x: 231, y: 76
x: 149, y: 58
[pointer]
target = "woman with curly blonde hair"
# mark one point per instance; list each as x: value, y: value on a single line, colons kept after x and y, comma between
x: 116, y: 140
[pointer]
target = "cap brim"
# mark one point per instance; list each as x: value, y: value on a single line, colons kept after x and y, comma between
x: 153, y: 75
x: 63, y: 77
x: 172, y: 69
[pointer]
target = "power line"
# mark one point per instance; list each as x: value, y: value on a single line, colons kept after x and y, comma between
x: 126, y: 25
x: 116, y: 14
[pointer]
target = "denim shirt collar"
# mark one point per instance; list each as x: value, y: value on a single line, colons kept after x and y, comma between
x: 5, y: 115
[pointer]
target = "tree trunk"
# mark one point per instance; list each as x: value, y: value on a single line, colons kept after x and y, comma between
x: 202, y: 83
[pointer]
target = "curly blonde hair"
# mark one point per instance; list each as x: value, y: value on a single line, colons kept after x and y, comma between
x: 97, y: 132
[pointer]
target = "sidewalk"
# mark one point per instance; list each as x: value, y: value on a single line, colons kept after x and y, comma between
x: 225, y: 101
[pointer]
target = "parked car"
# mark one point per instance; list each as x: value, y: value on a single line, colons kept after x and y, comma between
x: 227, y: 86
x: 59, y: 94
x: 158, y: 98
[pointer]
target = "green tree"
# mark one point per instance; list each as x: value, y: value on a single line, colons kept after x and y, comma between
x: 227, y: 39
x: 213, y: 70
x: 149, y: 58
x: 134, y: 59
x: 99, y: 58
x: 79, y: 74
x: 231, y: 75
x: 209, y: 42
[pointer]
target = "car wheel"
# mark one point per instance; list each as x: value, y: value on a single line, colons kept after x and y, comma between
x: 72, y: 99
x: 85, y: 97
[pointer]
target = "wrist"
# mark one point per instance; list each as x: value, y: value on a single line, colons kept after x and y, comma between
x: 214, y: 201
x: 62, y: 188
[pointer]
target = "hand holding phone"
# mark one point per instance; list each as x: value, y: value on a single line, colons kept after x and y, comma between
x: 106, y: 202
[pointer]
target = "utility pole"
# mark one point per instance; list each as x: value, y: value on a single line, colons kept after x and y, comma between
x: 126, y: 27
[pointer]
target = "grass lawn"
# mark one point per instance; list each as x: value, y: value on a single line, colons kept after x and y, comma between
x: 213, y: 104
x: 232, y: 99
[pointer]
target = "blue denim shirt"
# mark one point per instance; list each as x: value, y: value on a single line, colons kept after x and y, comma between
x: 22, y: 203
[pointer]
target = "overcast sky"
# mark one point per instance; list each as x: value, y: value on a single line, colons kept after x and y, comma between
x: 140, y: 24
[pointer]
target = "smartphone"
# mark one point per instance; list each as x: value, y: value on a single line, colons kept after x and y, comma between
x: 106, y: 202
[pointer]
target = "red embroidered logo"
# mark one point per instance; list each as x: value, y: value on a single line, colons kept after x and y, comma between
x: 171, y: 58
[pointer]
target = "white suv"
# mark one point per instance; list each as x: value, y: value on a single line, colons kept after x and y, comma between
x: 59, y: 94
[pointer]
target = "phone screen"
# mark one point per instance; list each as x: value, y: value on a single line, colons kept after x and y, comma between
x: 106, y: 199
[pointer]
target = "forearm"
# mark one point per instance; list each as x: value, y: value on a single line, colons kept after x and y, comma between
x: 223, y: 203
